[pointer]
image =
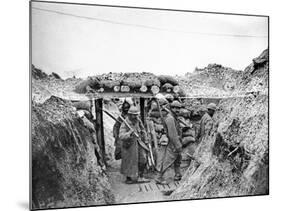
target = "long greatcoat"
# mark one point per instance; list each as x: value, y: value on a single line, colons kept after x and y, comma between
x: 206, y: 125
x: 118, y: 143
x: 132, y: 153
x: 166, y: 154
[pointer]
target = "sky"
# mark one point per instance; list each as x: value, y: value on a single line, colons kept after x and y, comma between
x: 84, y: 40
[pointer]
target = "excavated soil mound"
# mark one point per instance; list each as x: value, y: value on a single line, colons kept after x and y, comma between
x: 65, y: 171
x: 233, y: 159
x: 212, y: 81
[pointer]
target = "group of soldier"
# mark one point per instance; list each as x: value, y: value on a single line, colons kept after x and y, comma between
x: 161, y: 141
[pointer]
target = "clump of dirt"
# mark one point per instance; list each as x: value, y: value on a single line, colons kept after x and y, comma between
x: 214, y: 80
x: 255, y: 76
x: 38, y: 73
x: 233, y: 159
x: 65, y: 170
x: 44, y: 86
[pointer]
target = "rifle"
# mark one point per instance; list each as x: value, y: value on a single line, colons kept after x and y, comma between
x: 179, y: 119
x: 165, y: 128
x: 151, y: 158
x: 143, y: 145
x: 193, y: 158
x: 151, y: 131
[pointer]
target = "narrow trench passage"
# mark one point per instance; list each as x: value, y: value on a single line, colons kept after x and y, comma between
x: 133, y: 193
x: 141, y: 192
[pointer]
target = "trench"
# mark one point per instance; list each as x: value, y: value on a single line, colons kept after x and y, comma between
x: 143, y: 192
x: 75, y: 144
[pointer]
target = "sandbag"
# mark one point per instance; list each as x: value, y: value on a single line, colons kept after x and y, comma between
x: 167, y: 87
x: 132, y: 83
x: 167, y: 79
x: 82, y: 105
x: 187, y: 141
x: 93, y: 83
x: 152, y: 82
x: 188, y: 132
x: 184, y: 113
x: 181, y: 93
x: 188, y: 150
x: 109, y: 84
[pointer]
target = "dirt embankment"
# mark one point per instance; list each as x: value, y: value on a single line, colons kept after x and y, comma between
x: 65, y: 170
x: 233, y: 159
x: 214, y: 80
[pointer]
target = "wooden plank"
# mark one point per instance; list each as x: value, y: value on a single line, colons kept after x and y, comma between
x: 174, y: 185
x: 146, y: 188
x: 99, y: 126
x: 142, y: 110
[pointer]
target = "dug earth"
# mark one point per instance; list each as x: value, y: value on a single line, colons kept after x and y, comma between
x: 231, y: 161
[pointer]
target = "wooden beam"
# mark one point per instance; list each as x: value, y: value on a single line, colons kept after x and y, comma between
x: 99, y: 126
x: 142, y: 109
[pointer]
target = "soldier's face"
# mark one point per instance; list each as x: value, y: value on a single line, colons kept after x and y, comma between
x: 126, y: 109
x: 211, y: 112
x: 176, y: 110
x: 133, y: 117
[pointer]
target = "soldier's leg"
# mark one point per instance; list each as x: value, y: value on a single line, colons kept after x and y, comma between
x: 160, y: 177
x: 177, y: 164
x: 142, y: 164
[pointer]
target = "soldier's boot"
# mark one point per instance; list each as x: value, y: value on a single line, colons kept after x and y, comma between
x: 129, y: 180
x: 141, y: 178
x: 178, y: 175
x: 159, y: 179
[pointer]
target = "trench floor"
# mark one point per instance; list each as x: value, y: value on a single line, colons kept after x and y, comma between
x: 141, y: 192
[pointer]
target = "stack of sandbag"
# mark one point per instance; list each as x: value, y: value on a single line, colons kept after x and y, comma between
x: 167, y: 79
x: 82, y: 105
x: 188, y: 131
x: 90, y: 82
x: 130, y: 82
x: 188, y: 134
x: 109, y: 85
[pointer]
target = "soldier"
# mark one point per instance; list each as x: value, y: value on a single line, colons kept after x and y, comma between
x: 116, y: 128
x: 188, y: 135
x: 155, y: 130
x: 206, y: 123
x: 170, y: 152
x: 133, y: 161
x: 175, y: 108
x: 169, y: 98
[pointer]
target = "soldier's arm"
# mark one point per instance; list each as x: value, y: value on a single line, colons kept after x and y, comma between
x: 172, y: 133
x: 116, y: 128
x: 200, y: 128
x: 208, y: 126
x: 152, y: 133
x: 124, y: 132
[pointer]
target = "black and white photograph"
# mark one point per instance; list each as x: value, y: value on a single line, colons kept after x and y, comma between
x: 135, y: 105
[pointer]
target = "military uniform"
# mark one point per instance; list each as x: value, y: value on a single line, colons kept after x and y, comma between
x: 118, y: 143
x: 133, y: 155
x: 156, y: 133
x: 169, y: 153
x: 206, y: 123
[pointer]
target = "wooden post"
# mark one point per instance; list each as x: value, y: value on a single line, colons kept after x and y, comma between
x: 142, y: 110
x: 99, y: 126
